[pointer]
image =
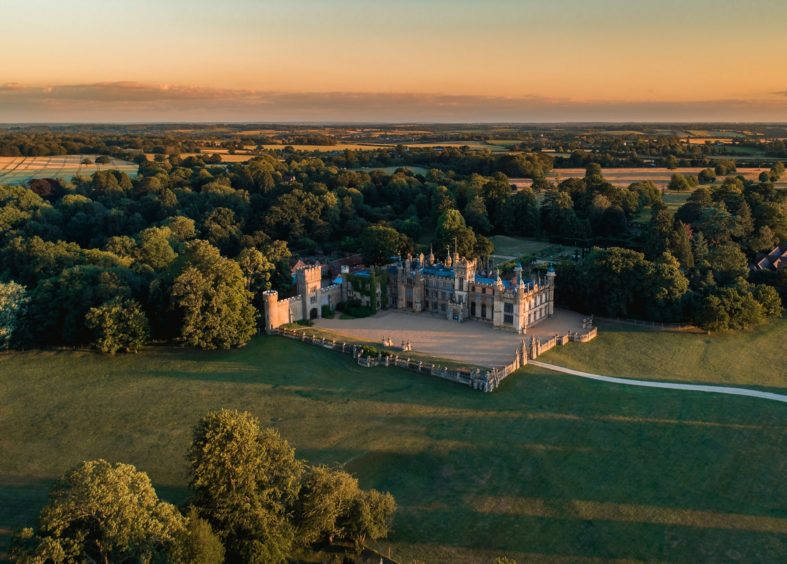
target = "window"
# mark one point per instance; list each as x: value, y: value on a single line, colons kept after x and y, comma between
x: 508, y: 319
x: 508, y: 308
x: 442, y: 308
x: 483, y: 311
x: 472, y: 309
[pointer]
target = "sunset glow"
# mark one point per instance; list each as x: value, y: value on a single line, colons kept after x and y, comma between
x: 460, y: 60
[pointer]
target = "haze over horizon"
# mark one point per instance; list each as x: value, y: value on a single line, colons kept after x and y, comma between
x: 410, y: 61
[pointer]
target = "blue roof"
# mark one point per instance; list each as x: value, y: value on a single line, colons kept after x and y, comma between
x: 439, y: 270
x: 484, y: 280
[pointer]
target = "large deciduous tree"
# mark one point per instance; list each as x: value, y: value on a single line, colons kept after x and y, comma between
x: 379, y: 243
x: 210, y: 292
x: 118, y: 325
x: 245, y: 481
x: 101, y: 512
x: 452, y: 233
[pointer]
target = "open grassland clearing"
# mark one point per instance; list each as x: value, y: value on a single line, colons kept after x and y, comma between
x: 393, y: 169
x: 750, y: 358
x: 19, y: 170
x: 549, y: 468
x: 526, y: 250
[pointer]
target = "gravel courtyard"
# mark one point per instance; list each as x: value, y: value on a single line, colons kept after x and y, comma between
x: 472, y: 342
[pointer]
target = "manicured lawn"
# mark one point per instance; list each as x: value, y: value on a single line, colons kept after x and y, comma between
x: 548, y: 468
x: 749, y: 358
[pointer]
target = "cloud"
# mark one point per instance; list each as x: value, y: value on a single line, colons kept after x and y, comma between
x: 142, y: 102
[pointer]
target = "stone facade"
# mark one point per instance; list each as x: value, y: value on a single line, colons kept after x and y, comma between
x: 452, y: 288
x: 308, y: 304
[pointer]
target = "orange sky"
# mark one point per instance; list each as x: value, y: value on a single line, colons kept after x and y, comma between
x: 459, y: 60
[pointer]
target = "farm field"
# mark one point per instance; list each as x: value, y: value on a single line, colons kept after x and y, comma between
x: 549, y: 468
x: 625, y: 176
x: 751, y: 358
x: 18, y: 170
x: 328, y: 148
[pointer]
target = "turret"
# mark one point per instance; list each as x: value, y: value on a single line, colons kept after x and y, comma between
x: 272, y: 320
x: 551, y: 275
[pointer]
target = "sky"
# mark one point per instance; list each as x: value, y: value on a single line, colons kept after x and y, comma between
x: 393, y: 61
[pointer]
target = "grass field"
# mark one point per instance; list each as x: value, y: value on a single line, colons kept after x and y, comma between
x: 751, y: 358
x: 526, y: 249
x: 392, y: 169
x: 549, y: 468
x: 517, y: 246
x: 19, y: 170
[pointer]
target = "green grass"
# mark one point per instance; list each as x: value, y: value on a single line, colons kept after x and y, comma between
x: 749, y: 358
x: 517, y: 246
x: 674, y: 200
x: 392, y: 169
x: 547, y: 468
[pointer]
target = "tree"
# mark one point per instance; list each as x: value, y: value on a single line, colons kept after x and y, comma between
x: 681, y: 182
x: 370, y: 516
x: 452, y: 233
x: 118, y: 325
x: 728, y: 263
x: 196, y: 543
x: 680, y: 245
x: 476, y: 216
x: 707, y: 176
x: 211, y: 295
x: 245, y: 481
x: 13, y: 302
x: 769, y: 299
x: 325, y: 498
x: 101, y: 512
x: 730, y: 308
x: 379, y: 243
x: 666, y: 287
x: 764, y: 240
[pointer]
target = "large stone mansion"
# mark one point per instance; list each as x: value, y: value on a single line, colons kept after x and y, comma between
x: 452, y: 288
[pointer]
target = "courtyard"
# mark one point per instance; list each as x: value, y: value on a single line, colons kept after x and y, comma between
x: 472, y: 342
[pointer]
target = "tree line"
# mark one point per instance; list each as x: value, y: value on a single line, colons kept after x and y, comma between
x: 183, y: 251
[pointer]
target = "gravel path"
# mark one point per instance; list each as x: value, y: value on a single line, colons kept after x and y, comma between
x: 669, y: 385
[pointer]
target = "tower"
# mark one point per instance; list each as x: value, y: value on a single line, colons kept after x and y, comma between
x: 551, y: 275
x: 272, y: 317
x: 464, y: 274
x: 308, y: 280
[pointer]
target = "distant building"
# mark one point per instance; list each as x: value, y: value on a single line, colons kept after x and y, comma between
x: 776, y: 259
x: 451, y: 289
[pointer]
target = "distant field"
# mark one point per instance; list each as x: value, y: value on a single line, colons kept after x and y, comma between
x: 625, y: 176
x: 477, y: 145
x: 392, y: 169
x: 328, y: 148
x: 750, y: 358
x: 19, y: 170
x: 547, y: 469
